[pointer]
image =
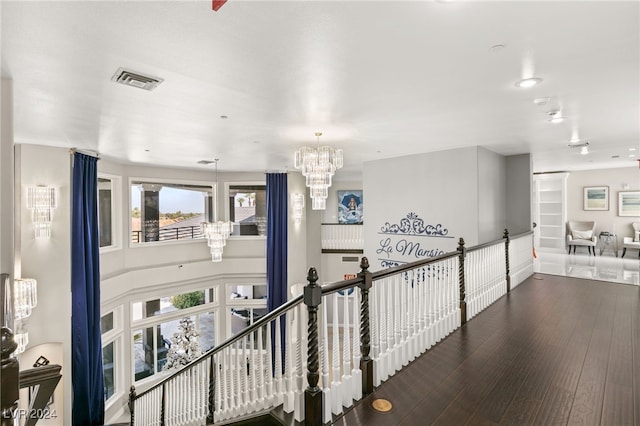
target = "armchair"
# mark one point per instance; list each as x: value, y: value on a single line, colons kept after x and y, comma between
x: 582, y: 234
x: 632, y: 242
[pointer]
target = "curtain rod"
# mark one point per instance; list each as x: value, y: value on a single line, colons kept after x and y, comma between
x: 89, y: 152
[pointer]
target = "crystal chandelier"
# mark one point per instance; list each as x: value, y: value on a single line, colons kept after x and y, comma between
x: 318, y: 166
x: 216, y: 232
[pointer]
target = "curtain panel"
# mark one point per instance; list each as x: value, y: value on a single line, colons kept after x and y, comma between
x: 86, y: 339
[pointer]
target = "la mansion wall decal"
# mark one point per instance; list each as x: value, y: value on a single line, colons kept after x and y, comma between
x: 401, y: 241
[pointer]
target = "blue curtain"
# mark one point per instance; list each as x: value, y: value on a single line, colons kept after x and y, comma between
x: 277, y: 250
x: 86, y: 341
x: 276, y: 240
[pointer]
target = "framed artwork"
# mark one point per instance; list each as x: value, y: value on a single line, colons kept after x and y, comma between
x: 350, y: 207
x: 596, y: 198
x: 629, y: 203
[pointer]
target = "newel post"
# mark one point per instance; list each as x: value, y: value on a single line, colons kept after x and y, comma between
x: 313, y: 394
x: 132, y: 404
x: 506, y: 254
x: 366, y: 363
x: 463, y: 303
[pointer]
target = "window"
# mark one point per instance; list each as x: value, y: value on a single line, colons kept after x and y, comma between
x: 165, y: 211
x: 111, y: 328
x: 107, y: 368
x: 108, y: 216
x: 156, y: 323
x: 164, y: 305
x: 247, y: 208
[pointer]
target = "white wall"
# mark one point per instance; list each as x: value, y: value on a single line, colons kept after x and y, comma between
x: 439, y: 187
x: 614, y: 179
x: 6, y: 177
x: 48, y: 260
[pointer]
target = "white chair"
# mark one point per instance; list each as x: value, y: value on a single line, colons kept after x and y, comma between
x: 582, y: 234
x: 632, y: 242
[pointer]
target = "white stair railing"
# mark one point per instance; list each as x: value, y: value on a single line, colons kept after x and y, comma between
x: 520, y: 258
x: 410, y: 309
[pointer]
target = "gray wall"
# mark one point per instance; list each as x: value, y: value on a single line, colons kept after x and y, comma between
x: 519, y: 190
x: 491, y: 195
x: 439, y: 187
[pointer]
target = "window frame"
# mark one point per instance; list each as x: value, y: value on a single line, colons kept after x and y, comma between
x: 212, y: 307
x: 227, y: 206
x: 160, y: 181
x: 115, y: 336
x: 116, y: 211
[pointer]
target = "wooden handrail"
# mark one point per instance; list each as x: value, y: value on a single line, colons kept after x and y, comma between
x: 255, y: 326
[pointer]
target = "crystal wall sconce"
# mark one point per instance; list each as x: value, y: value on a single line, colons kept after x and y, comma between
x: 41, y: 200
x: 297, y: 203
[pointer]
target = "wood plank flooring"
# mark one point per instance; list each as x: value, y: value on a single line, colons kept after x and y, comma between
x: 556, y: 351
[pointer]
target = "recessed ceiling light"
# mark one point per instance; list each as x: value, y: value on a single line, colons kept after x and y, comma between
x: 528, y: 82
x: 631, y: 155
x: 497, y: 48
x: 632, y: 149
x: 584, y: 150
x: 541, y: 101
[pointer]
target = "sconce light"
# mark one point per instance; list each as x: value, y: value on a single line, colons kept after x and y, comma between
x: 41, y: 200
x: 297, y: 202
x: 25, y: 299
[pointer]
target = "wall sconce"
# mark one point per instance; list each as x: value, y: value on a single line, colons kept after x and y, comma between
x: 297, y: 202
x: 25, y: 299
x: 41, y: 200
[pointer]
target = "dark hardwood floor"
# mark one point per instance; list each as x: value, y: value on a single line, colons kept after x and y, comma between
x: 556, y: 351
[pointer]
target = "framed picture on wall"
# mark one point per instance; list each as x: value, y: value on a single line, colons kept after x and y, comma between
x: 350, y: 207
x: 596, y: 198
x: 629, y: 203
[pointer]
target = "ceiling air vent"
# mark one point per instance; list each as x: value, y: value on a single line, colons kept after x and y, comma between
x: 136, y: 79
x: 578, y: 144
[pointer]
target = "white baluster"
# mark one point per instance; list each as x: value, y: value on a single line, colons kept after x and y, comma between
x: 288, y: 404
x: 260, y: 372
x: 336, y: 391
x: 269, y: 389
x: 244, y: 374
x: 347, y: 399
x: 279, y: 385
x: 326, y: 388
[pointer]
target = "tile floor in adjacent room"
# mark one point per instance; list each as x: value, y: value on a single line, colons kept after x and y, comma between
x: 604, y: 267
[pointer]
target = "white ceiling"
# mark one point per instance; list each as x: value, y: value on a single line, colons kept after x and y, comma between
x: 380, y: 79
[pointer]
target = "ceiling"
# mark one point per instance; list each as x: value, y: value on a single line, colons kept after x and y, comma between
x: 380, y: 79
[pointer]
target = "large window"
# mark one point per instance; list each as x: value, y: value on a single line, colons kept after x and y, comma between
x: 247, y: 208
x: 168, y: 210
x: 158, y: 323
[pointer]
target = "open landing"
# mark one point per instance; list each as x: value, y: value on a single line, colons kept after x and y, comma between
x: 557, y: 350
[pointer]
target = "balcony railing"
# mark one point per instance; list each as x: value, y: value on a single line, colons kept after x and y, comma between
x: 314, y: 368
x: 167, y: 234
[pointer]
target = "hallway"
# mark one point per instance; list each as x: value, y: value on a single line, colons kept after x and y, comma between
x: 556, y: 350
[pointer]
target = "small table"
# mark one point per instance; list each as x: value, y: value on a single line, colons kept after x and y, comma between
x: 608, y: 241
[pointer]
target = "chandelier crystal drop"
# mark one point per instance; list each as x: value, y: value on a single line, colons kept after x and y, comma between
x: 217, y: 232
x: 318, y: 165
